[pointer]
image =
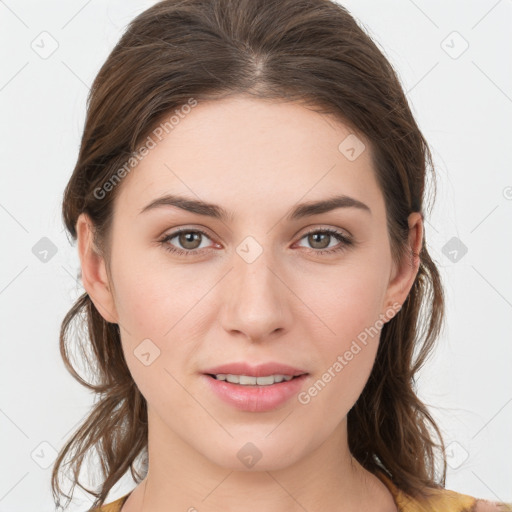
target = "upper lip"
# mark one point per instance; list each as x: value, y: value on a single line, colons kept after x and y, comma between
x: 259, y: 370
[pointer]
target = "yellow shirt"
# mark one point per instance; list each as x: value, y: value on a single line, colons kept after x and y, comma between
x: 444, y: 501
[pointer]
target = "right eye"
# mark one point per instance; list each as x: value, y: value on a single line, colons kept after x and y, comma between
x: 189, y: 239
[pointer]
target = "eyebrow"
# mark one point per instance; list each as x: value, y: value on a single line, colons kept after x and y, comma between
x: 217, y: 212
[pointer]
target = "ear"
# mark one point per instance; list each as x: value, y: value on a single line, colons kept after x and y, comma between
x: 94, y: 274
x: 402, y: 276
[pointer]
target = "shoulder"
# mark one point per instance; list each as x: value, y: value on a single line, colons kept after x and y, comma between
x: 491, y: 506
x: 444, y: 500
x: 450, y: 501
x: 115, y: 506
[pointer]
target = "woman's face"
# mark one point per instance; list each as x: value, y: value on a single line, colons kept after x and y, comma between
x: 264, y: 283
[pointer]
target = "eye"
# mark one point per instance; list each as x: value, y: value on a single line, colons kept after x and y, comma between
x: 322, y: 238
x: 189, y: 239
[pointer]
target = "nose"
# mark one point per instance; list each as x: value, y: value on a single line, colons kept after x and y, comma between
x: 256, y: 299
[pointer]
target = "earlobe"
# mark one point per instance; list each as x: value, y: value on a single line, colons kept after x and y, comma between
x: 402, y: 277
x: 94, y: 275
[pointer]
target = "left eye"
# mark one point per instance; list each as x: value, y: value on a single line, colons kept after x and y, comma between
x: 191, y: 239
x: 320, y: 236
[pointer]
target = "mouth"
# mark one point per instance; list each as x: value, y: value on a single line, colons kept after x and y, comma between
x: 252, y: 381
x: 250, y: 387
x: 247, y: 371
x: 249, y: 380
x: 255, y: 394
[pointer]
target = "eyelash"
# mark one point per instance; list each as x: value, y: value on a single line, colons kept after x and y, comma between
x: 345, y: 241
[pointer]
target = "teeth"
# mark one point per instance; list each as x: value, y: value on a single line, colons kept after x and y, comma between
x: 246, y: 380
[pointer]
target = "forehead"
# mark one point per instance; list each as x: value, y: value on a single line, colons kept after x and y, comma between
x: 241, y: 151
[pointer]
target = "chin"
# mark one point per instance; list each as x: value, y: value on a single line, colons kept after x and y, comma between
x: 255, y: 453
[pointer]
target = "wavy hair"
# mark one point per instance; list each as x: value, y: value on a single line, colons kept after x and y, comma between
x: 308, y: 51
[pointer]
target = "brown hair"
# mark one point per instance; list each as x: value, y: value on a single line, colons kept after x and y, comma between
x: 309, y: 51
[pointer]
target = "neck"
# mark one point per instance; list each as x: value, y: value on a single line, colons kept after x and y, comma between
x: 326, y: 477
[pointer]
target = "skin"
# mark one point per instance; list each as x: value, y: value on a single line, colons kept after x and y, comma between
x: 257, y: 159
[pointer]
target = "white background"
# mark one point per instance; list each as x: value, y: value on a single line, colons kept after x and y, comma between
x: 463, y: 106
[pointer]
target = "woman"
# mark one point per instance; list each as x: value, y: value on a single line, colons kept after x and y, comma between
x: 248, y: 207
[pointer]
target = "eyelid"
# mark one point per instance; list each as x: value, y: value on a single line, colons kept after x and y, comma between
x: 176, y: 231
x: 187, y: 229
x: 314, y: 228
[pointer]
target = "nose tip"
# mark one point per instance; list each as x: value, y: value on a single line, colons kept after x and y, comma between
x: 254, y: 296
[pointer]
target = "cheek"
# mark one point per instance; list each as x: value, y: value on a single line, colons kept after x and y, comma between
x: 158, y: 310
x: 346, y: 301
x: 153, y: 298
x: 153, y: 316
x: 345, y: 332
x: 336, y: 388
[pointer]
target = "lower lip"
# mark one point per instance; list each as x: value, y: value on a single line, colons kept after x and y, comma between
x: 255, y: 398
